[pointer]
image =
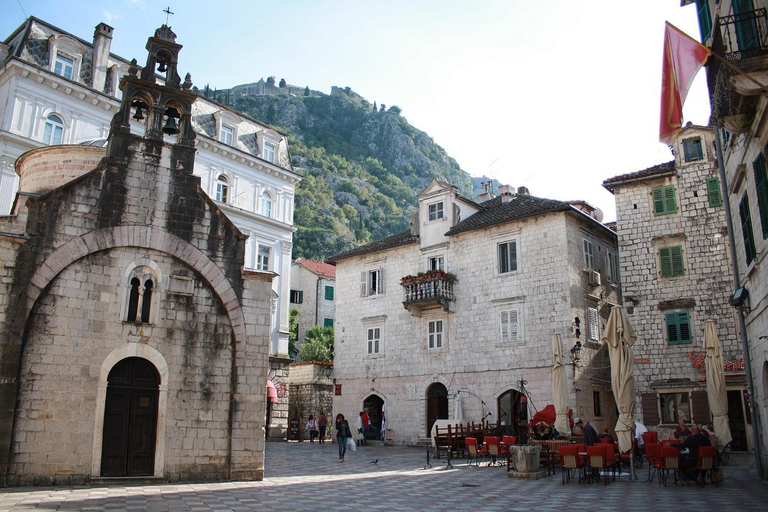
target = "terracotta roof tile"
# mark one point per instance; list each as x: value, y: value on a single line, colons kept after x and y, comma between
x: 404, y: 238
x: 318, y: 267
x: 667, y: 168
x: 495, y: 211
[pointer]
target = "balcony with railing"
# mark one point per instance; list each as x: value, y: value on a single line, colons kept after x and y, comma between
x: 428, y: 290
x: 742, y: 39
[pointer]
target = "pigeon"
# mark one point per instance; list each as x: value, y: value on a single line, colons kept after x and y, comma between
x: 375, y: 461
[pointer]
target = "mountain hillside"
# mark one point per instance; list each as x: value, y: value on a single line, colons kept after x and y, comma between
x: 362, y: 169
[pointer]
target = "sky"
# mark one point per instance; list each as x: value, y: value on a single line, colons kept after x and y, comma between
x: 554, y: 95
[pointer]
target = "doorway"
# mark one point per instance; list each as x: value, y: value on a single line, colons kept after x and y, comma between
x: 373, y: 404
x: 130, y: 419
x: 736, y: 421
x: 437, y: 405
x: 510, y: 411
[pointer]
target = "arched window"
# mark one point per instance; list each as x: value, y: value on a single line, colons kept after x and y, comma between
x: 54, y: 130
x: 222, y: 188
x: 140, y: 300
x: 266, y: 204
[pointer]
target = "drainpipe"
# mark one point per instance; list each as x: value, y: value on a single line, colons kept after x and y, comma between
x: 739, y: 310
x: 317, y: 300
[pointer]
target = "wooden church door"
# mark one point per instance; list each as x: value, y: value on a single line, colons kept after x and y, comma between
x: 130, y: 419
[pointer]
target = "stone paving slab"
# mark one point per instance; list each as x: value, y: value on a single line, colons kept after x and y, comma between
x: 308, y: 477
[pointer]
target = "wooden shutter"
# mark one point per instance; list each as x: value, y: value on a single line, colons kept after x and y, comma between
x: 504, y: 329
x: 676, y: 256
x: 665, y: 260
x: 363, y: 284
x: 381, y: 280
x: 513, y: 256
x: 746, y: 229
x: 761, y: 187
x: 514, y: 325
x: 670, y: 201
x: 650, y: 404
x: 688, y: 150
x: 713, y: 192
x: 673, y: 335
x: 658, y: 200
x: 593, y: 325
x: 705, y: 19
x: 699, y: 407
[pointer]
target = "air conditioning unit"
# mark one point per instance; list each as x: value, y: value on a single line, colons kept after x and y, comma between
x: 595, y: 278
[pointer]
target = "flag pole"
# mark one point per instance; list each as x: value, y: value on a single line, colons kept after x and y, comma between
x: 738, y: 70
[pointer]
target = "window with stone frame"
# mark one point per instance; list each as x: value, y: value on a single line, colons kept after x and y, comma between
x: 678, y: 328
x: 64, y: 65
x: 435, y: 334
x: 329, y: 292
x: 750, y: 252
x: 227, y: 134
x: 671, y: 261
x: 714, y: 193
x: 297, y: 296
x: 664, y: 200
x: 222, y: 188
x: 266, y: 204
x: 53, y: 131
x: 269, y: 152
x: 141, y: 284
x: 613, y: 266
x: 262, y: 257
x: 597, y: 403
x: 692, y: 150
x: 374, y: 340
x: 328, y: 323
x: 507, y: 252
x: 510, y: 330
x: 761, y: 189
x: 436, y: 211
x: 435, y: 263
x: 674, y: 406
x: 371, y: 282
x: 589, y: 254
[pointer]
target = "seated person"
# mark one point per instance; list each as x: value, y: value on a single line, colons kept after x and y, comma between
x: 607, y: 435
x: 682, y: 429
x: 640, y: 429
x: 692, y: 444
x: 543, y: 431
x: 588, y: 433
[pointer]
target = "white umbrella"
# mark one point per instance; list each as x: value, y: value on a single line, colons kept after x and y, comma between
x: 716, y: 393
x: 559, y: 387
x: 458, y: 411
x: 619, y: 336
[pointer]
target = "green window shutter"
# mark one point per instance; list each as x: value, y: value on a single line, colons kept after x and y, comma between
x: 670, y: 201
x: 665, y: 259
x: 329, y: 293
x: 713, y: 192
x: 673, y: 338
x: 761, y: 186
x: 684, y: 327
x: 678, y: 328
x: 328, y: 322
x: 658, y: 200
x: 676, y: 255
x: 705, y: 19
x: 746, y: 229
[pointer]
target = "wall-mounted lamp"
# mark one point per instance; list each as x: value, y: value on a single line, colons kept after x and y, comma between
x: 576, y: 353
x: 630, y: 303
x: 327, y: 370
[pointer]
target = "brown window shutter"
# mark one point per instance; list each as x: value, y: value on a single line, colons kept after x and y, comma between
x: 699, y: 407
x: 650, y: 404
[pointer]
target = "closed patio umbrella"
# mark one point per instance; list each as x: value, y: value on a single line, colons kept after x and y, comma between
x: 716, y: 393
x: 458, y: 410
x: 619, y: 336
x: 559, y: 387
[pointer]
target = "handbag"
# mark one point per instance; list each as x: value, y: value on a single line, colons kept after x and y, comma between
x: 360, y: 436
x: 351, y: 444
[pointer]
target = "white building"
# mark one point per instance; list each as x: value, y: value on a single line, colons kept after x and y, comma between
x: 465, y: 304
x: 313, y: 290
x: 56, y: 88
x: 676, y: 275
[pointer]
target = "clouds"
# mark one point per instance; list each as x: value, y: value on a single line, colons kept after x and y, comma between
x: 111, y: 17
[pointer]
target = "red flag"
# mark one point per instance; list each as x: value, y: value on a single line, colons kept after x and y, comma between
x: 683, y: 58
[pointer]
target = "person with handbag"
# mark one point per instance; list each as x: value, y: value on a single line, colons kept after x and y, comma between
x: 361, y: 430
x: 343, y: 435
x: 312, y: 428
x: 322, y: 422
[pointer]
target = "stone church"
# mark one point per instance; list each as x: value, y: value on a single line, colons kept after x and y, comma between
x: 133, y: 343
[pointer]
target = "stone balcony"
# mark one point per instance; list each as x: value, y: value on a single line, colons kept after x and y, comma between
x: 428, y: 290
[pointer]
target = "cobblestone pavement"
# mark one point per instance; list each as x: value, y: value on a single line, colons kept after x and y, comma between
x: 308, y: 477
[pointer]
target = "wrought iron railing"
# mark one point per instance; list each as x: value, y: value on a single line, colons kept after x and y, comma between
x: 435, y: 286
x: 745, y: 34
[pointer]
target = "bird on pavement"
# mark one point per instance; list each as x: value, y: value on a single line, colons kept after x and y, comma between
x: 375, y: 461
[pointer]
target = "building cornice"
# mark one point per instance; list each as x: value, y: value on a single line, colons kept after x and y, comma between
x: 244, y: 158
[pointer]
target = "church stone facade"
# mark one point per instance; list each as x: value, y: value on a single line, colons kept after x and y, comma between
x: 132, y: 341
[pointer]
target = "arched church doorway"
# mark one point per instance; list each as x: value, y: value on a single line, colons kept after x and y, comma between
x: 510, y: 412
x: 374, y: 404
x: 130, y: 419
x: 437, y: 405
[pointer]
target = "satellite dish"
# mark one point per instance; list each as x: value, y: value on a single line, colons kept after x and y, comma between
x: 598, y: 214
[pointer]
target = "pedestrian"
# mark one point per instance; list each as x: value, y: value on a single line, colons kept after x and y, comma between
x: 361, y: 430
x: 588, y: 433
x: 343, y: 435
x: 322, y: 423
x: 312, y: 428
x: 383, y: 432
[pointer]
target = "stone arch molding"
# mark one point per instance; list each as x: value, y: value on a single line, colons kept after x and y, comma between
x: 114, y: 357
x: 147, y: 238
x: 435, y: 379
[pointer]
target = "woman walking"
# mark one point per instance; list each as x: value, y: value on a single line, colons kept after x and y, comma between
x: 322, y: 422
x: 343, y: 434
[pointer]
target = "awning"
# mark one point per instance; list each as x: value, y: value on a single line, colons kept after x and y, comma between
x: 271, y: 392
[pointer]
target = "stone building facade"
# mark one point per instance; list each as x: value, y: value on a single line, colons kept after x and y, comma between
x: 133, y: 341
x: 57, y: 88
x: 461, y: 309
x: 736, y: 30
x: 676, y: 275
x: 311, y: 394
x: 313, y: 289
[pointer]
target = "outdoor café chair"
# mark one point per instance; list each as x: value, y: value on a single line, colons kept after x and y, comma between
x: 494, y: 448
x: 652, y: 454
x: 650, y: 437
x: 571, y: 462
x: 597, y: 462
x: 669, y: 458
x: 473, y: 451
x: 706, y: 463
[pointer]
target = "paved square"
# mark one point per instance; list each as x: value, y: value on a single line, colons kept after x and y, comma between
x: 308, y: 477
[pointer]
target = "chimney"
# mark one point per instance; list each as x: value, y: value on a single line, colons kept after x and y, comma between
x: 506, y: 192
x: 102, y: 41
x: 523, y: 191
